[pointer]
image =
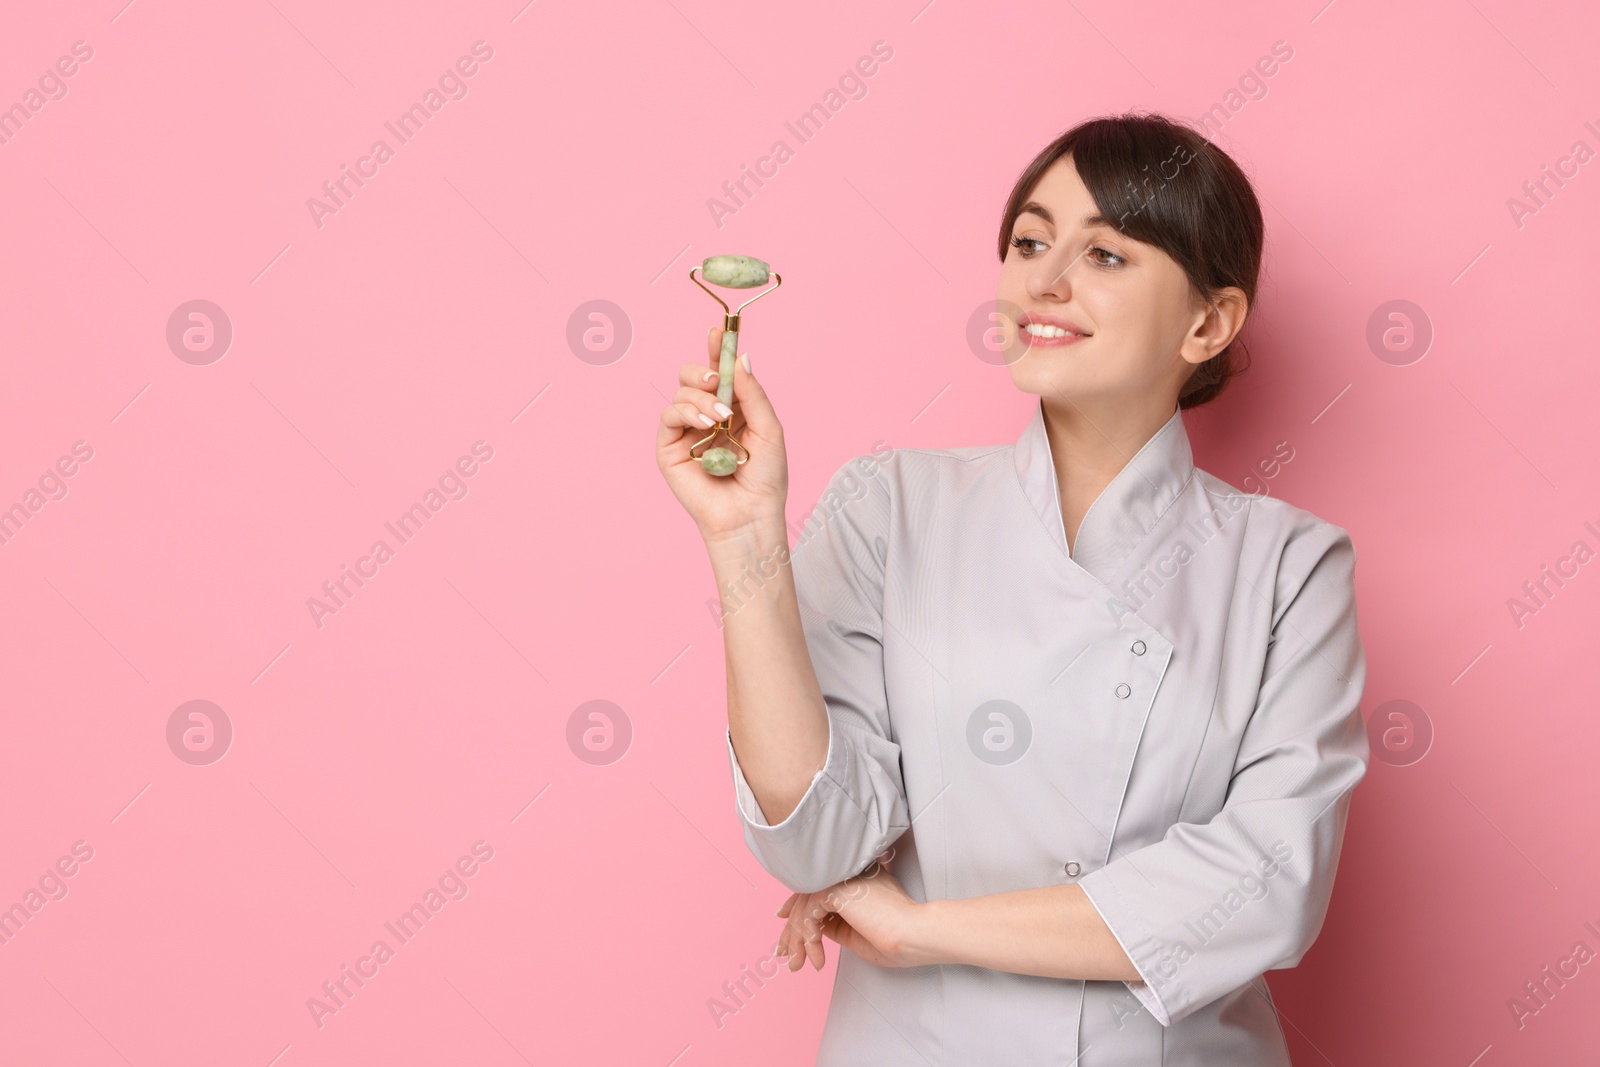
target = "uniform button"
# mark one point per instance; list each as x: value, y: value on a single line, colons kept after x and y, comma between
x: 1072, y: 868
x: 1138, y: 648
x: 1122, y: 689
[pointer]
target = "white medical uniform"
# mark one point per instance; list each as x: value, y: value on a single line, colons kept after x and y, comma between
x: 1167, y: 716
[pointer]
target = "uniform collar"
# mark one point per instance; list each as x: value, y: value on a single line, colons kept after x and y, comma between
x: 1125, y: 510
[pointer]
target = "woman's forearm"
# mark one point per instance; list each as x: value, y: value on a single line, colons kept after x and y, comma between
x: 1054, y: 931
x: 776, y: 715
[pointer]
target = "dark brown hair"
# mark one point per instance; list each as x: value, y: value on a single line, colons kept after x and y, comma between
x: 1164, y: 184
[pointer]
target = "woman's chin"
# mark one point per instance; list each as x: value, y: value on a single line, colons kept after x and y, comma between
x: 1056, y: 381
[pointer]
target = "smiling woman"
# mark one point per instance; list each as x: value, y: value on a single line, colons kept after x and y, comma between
x: 1168, y: 189
x: 1072, y: 796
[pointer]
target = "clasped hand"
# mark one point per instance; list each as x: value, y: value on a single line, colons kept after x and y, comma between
x: 871, y: 914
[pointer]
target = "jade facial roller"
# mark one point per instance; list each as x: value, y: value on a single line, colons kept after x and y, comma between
x: 729, y: 272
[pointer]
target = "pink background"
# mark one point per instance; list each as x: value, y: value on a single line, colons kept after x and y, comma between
x: 431, y: 311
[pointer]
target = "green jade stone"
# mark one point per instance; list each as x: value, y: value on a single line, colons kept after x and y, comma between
x: 719, y: 461
x: 730, y: 346
x: 735, y: 272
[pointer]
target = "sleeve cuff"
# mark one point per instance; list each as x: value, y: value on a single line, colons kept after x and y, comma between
x: 825, y: 779
x: 1136, y: 941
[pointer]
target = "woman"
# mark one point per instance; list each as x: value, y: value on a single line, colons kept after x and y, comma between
x: 1100, y: 706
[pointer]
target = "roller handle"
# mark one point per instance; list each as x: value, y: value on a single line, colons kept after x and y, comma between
x: 730, y: 348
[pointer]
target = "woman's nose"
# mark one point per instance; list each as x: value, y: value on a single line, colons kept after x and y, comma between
x: 1049, y: 279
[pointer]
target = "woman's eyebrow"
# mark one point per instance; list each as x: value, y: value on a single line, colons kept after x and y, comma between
x: 1033, y: 207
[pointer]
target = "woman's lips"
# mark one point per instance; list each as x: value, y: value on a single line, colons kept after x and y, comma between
x: 1035, y: 341
x: 1054, y: 331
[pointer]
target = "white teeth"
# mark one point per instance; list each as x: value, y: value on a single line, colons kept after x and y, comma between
x: 1042, y: 330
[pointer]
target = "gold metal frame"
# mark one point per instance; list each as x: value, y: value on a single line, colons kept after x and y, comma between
x: 730, y: 321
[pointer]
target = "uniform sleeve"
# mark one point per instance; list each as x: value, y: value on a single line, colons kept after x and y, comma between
x: 1213, y: 905
x: 855, y: 806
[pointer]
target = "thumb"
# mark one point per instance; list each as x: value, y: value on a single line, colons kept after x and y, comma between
x: 753, y: 401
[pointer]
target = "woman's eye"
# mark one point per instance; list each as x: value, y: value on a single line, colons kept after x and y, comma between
x: 1028, y: 247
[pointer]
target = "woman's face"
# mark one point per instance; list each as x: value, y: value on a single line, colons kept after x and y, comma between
x: 1143, y: 331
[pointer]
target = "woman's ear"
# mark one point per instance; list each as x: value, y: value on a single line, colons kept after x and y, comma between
x: 1215, y: 325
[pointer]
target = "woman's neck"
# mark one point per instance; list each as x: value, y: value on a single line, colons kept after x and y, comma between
x: 1089, y: 446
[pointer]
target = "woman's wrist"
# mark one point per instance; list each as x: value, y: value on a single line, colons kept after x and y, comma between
x: 924, y: 941
x: 1052, y: 931
x: 760, y: 541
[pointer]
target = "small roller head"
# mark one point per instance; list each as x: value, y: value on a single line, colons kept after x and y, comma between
x: 719, y: 461
x: 735, y: 272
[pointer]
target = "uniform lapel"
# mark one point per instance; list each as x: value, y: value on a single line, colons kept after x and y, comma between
x: 1124, y: 511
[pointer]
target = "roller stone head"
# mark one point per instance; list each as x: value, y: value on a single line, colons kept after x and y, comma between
x: 735, y: 272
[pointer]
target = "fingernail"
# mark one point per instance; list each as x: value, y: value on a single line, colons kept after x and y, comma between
x: 707, y: 419
x: 708, y: 375
x: 722, y: 409
x: 745, y: 359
